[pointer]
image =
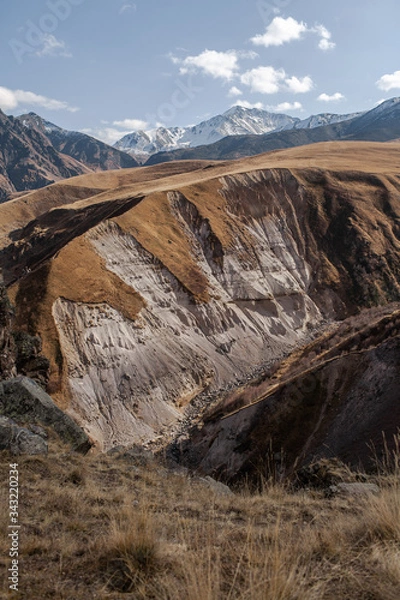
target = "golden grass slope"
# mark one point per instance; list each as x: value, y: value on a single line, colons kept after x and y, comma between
x: 362, y: 176
x: 365, y: 157
x: 113, y: 528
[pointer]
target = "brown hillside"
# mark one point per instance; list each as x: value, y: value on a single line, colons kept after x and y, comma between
x: 238, y: 257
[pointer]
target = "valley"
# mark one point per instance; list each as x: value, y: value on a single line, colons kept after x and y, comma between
x: 157, y: 290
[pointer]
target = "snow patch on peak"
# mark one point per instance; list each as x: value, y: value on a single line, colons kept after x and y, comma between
x: 235, y: 121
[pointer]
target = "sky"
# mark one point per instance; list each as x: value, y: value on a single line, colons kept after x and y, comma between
x: 109, y: 67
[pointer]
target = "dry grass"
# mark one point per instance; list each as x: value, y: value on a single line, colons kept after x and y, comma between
x: 98, y: 527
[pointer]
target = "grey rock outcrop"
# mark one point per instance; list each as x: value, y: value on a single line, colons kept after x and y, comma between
x: 7, y: 344
x: 25, y: 401
x: 354, y: 489
x: 216, y: 487
x: 19, y: 440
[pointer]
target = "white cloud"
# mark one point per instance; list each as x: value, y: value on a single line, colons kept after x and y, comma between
x: 51, y: 46
x: 8, y: 100
x: 128, y: 7
x: 11, y: 99
x: 247, y: 104
x: 268, y: 80
x: 333, y: 98
x: 285, y: 106
x: 299, y: 86
x: 112, y: 134
x: 234, y: 92
x: 388, y: 82
x: 132, y: 124
x: 282, y: 107
x: 109, y: 135
x: 220, y: 65
x: 264, y: 80
x: 326, y: 36
x: 280, y: 31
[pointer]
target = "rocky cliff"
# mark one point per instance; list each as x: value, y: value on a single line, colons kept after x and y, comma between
x: 150, y: 287
x: 338, y: 397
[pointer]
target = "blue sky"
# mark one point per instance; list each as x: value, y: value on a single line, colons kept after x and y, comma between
x: 111, y: 66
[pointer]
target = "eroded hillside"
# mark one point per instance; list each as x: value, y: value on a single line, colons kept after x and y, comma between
x: 338, y: 397
x: 150, y: 286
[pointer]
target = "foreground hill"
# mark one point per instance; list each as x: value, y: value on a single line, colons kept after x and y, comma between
x: 125, y: 526
x: 154, y: 288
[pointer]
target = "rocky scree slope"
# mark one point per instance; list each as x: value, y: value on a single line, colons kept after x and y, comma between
x: 338, y: 397
x: 163, y: 285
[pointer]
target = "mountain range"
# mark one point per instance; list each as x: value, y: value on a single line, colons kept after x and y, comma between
x: 236, y: 121
x: 381, y: 124
x: 35, y: 153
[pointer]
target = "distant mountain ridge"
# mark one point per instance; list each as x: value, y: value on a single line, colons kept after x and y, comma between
x: 238, y: 120
x: 93, y: 153
x: 380, y: 124
x: 35, y: 153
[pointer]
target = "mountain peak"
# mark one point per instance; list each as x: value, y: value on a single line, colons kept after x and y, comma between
x: 238, y: 120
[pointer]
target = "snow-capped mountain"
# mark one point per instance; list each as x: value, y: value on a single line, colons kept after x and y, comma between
x: 324, y: 119
x: 236, y: 121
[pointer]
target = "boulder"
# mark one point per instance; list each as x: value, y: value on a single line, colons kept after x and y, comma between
x: 324, y: 473
x: 29, y: 360
x: 353, y: 489
x: 19, y: 440
x: 218, y: 488
x: 25, y: 401
x: 135, y: 454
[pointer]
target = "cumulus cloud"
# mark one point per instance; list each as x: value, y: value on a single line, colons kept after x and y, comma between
x: 247, y: 104
x: 234, y: 92
x: 333, y: 98
x: 220, y: 65
x: 11, y: 99
x: 281, y: 31
x: 264, y: 80
x: 109, y: 135
x: 51, y: 46
x: 268, y: 80
x: 282, y: 107
x: 299, y: 86
x: 132, y: 124
x: 388, y: 82
x: 223, y: 65
x: 118, y: 129
x: 325, y: 42
x: 285, y: 106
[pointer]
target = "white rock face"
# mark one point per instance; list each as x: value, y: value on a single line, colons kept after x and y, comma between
x: 130, y: 379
